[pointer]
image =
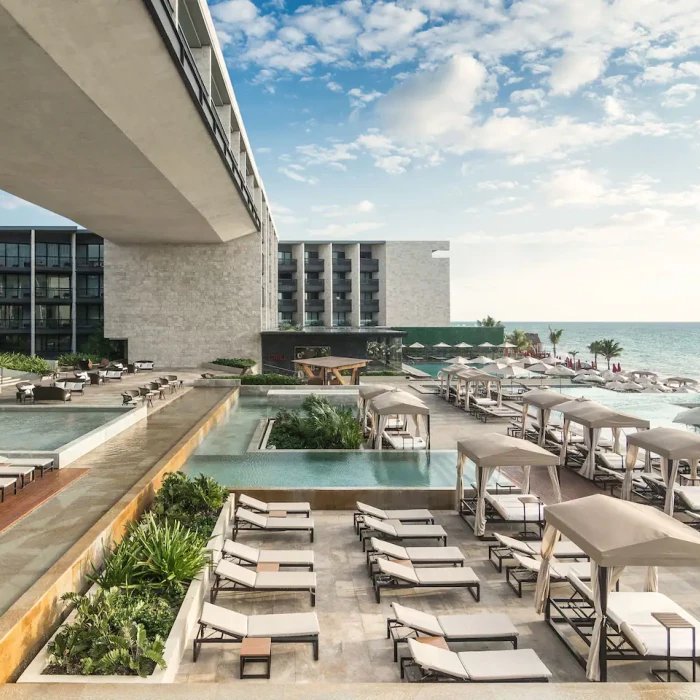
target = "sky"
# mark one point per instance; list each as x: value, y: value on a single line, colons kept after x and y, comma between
x: 554, y: 143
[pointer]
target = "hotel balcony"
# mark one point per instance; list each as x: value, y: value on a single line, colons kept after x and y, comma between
x: 342, y: 305
x: 342, y: 265
x: 315, y: 305
x: 286, y: 304
x: 369, y: 305
x: 286, y: 285
x: 369, y: 285
x: 287, y: 265
x: 47, y: 294
x: 369, y: 265
x: 313, y: 265
x: 314, y: 285
x: 342, y: 285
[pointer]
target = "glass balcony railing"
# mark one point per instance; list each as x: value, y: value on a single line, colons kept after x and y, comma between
x: 53, y: 293
x: 54, y: 323
x: 15, y: 292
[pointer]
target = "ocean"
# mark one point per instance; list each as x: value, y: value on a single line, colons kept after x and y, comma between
x: 666, y: 348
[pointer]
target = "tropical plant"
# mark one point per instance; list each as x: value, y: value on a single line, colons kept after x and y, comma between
x: 594, y: 349
x: 112, y: 634
x: 71, y: 359
x: 317, y: 426
x: 555, y: 335
x: 24, y: 363
x: 520, y: 340
x: 268, y: 379
x: 573, y: 354
x: 609, y: 349
x: 489, y: 322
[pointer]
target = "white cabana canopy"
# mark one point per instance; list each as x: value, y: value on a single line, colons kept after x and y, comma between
x: 593, y: 417
x: 615, y: 534
x: 398, y: 403
x: 681, y: 381
x: 671, y: 445
x: 475, y: 376
x: 544, y: 400
x: 446, y: 374
x: 495, y: 450
x: 365, y: 394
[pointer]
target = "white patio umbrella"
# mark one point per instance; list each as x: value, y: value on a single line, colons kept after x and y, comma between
x: 538, y: 367
x: 507, y: 345
x: 481, y: 360
x: 416, y: 346
x: 559, y: 371
x: 614, y: 386
x: 630, y: 386
x: 462, y: 345
x: 458, y: 360
x: 593, y: 379
x: 684, y: 390
x: 689, y: 417
x: 507, y: 360
x: 492, y: 367
x: 551, y: 361
x: 651, y: 389
x: 527, y: 361
x: 487, y: 345
x: 608, y: 375
x: 442, y: 345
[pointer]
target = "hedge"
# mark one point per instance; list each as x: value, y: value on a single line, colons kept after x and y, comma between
x: 268, y: 378
x: 24, y: 363
x: 239, y: 362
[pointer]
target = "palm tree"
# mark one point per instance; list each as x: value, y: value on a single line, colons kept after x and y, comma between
x: 520, y: 340
x: 594, y: 349
x: 610, y: 348
x: 490, y: 322
x: 555, y: 335
x: 573, y: 354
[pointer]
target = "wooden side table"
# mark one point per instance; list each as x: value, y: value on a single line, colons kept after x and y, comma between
x: 277, y: 514
x: 267, y: 566
x: 525, y: 500
x: 256, y: 650
x: 672, y: 621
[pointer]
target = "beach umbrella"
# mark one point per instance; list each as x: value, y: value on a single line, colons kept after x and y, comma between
x: 630, y: 386
x: 416, y: 346
x: 442, y: 345
x: 551, y: 361
x: 663, y: 388
x: 651, y: 389
x: 492, y: 367
x: 509, y: 371
x: 689, y: 417
x: 539, y: 367
x: 507, y: 345
x: 684, y: 390
x: 481, y: 360
x: 559, y: 371
x: 462, y: 345
x: 614, y: 386
x: 459, y: 360
x: 592, y: 379
x: 527, y: 361
x: 487, y: 345
x: 608, y: 375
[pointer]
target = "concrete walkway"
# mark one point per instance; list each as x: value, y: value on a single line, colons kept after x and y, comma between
x: 31, y: 546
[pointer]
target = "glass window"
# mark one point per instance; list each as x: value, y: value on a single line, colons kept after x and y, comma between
x: 312, y: 317
x: 311, y: 296
x: 89, y: 254
x: 310, y: 255
x: 367, y: 296
x: 312, y: 276
x: 91, y: 286
x: 340, y: 318
x: 284, y: 316
x: 285, y: 276
x: 53, y: 344
x: 285, y: 295
x: 338, y: 255
x: 284, y: 256
x: 53, y: 316
x: 340, y: 296
x: 338, y: 276
x: 366, y: 254
x: 366, y: 277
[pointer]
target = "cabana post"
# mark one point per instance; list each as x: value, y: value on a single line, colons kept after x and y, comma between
x: 544, y: 401
x: 398, y: 403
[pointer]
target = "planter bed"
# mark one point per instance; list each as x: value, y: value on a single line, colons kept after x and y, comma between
x: 180, y: 632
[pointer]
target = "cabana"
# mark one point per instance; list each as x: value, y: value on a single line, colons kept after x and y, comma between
x: 593, y: 417
x: 475, y: 376
x: 671, y: 445
x: 616, y: 534
x: 488, y: 452
x: 328, y: 369
x: 398, y: 403
x: 366, y: 393
x: 544, y: 400
x: 446, y: 374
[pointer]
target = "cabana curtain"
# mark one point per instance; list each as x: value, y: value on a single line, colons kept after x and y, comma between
x: 484, y: 474
x: 461, y: 460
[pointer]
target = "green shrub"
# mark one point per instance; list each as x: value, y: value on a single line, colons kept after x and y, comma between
x: 71, y: 359
x: 317, y: 426
x: 384, y: 373
x: 113, y: 633
x: 24, y: 363
x: 269, y: 378
x: 240, y: 362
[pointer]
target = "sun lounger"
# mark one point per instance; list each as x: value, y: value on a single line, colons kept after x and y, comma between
x: 250, y: 556
x: 396, y: 575
x: 43, y: 464
x: 242, y: 579
x: 616, y: 462
x: 508, y: 508
x: 497, y: 666
x: 261, y: 507
x: 218, y: 625
x: 408, y: 623
x: 394, y: 530
x: 484, y: 413
x: 24, y: 474
x: 247, y: 520
x: 528, y: 568
x: 414, y: 515
x: 505, y: 547
x: 7, y: 483
x: 404, y: 441
x: 428, y: 556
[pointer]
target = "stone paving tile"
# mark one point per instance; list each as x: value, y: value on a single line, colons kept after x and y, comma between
x: 354, y: 648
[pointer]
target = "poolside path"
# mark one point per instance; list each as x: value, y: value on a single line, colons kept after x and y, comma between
x: 31, y: 546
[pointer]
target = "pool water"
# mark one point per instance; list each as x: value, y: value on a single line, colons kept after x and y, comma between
x: 431, y: 368
x: 47, y: 429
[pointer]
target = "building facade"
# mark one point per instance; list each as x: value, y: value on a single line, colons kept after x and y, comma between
x: 51, y: 289
x: 359, y: 285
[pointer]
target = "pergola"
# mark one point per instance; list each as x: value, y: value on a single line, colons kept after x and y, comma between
x: 493, y: 450
x: 544, y: 400
x: 327, y: 368
x: 398, y: 403
x: 366, y: 393
x: 476, y: 376
x: 671, y: 445
x: 614, y: 534
x: 594, y: 417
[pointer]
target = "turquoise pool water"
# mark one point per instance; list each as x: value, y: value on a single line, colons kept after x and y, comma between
x: 47, y: 429
x: 431, y: 368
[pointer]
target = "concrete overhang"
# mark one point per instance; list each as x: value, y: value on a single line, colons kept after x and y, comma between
x: 98, y: 125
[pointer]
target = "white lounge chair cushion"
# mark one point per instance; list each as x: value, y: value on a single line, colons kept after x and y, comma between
x: 275, y: 523
x: 434, y: 659
x: 283, y: 625
x: 285, y: 579
x: 241, y: 551
x: 446, y: 574
x: 293, y: 507
x: 275, y: 556
x: 478, y: 625
x: 380, y: 526
x: 236, y: 573
x: 409, y: 443
x: 690, y: 495
x: 391, y: 549
x: 409, y: 531
x: 5, y: 482
x: 16, y: 471
x: 372, y: 511
x: 399, y: 571
x: 517, y: 511
x: 527, y: 548
x: 250, y: 517
x: 616, y: 462
x: 26, y: 461
x: 558, y: 569
x: 503, y: 665
x: 417, y: 620
x: 226, y: 620
x: 411, y: 514
x: 424, y: 555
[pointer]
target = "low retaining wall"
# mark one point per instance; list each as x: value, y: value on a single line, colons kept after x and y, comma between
x: 216, y: 383
x: 34, y: 616
x: 255, y: 369
x: 262, y: 389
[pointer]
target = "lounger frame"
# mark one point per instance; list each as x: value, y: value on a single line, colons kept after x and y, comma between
x: 236, y: 586
x: 390, y: 582
x: 4, y: 488
x: 243, y: 525
x: 219, y: 636
x: 368, y: 533
x: 430, y: 676
x: 373, y: 555
x: 467, y: 509
x: 358, y: 520
x: 249, y: 564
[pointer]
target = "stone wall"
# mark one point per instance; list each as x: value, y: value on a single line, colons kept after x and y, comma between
x: 181, y: 305
x: 414, y: 285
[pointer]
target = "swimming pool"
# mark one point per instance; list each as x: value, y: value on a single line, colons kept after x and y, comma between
x: 30, y: 428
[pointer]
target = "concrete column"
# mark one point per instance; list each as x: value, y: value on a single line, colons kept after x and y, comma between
x: 325, y: 252
x: 298, y: 254
x: 32, y: 292
x: 202, y: 57
x: 236, y: 144
x: 74, y: 294
x: 379, y: 253
x: 225, y: 119
x: 242, y: 164
x: 353, y: 253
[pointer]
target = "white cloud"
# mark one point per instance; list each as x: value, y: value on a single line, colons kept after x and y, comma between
x: 9, y: 202
x: 387, y: 26
x: 234, y: 11
x: 360, y: 99
x: 293, y: 172
x: 334, y: 87
x: 679, y: 95
x: 336, y: 210
x: 491, y: 185
x: 394, y: 165
x: 529, y: 95
x: 345, y: 230
x: 285, y: 215
x: 613, y: 107
x: 574, y: 186
x: 575, y: 69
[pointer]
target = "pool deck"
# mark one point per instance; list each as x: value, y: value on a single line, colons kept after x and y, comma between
x: 29, y: 548
x: 353, y: 644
